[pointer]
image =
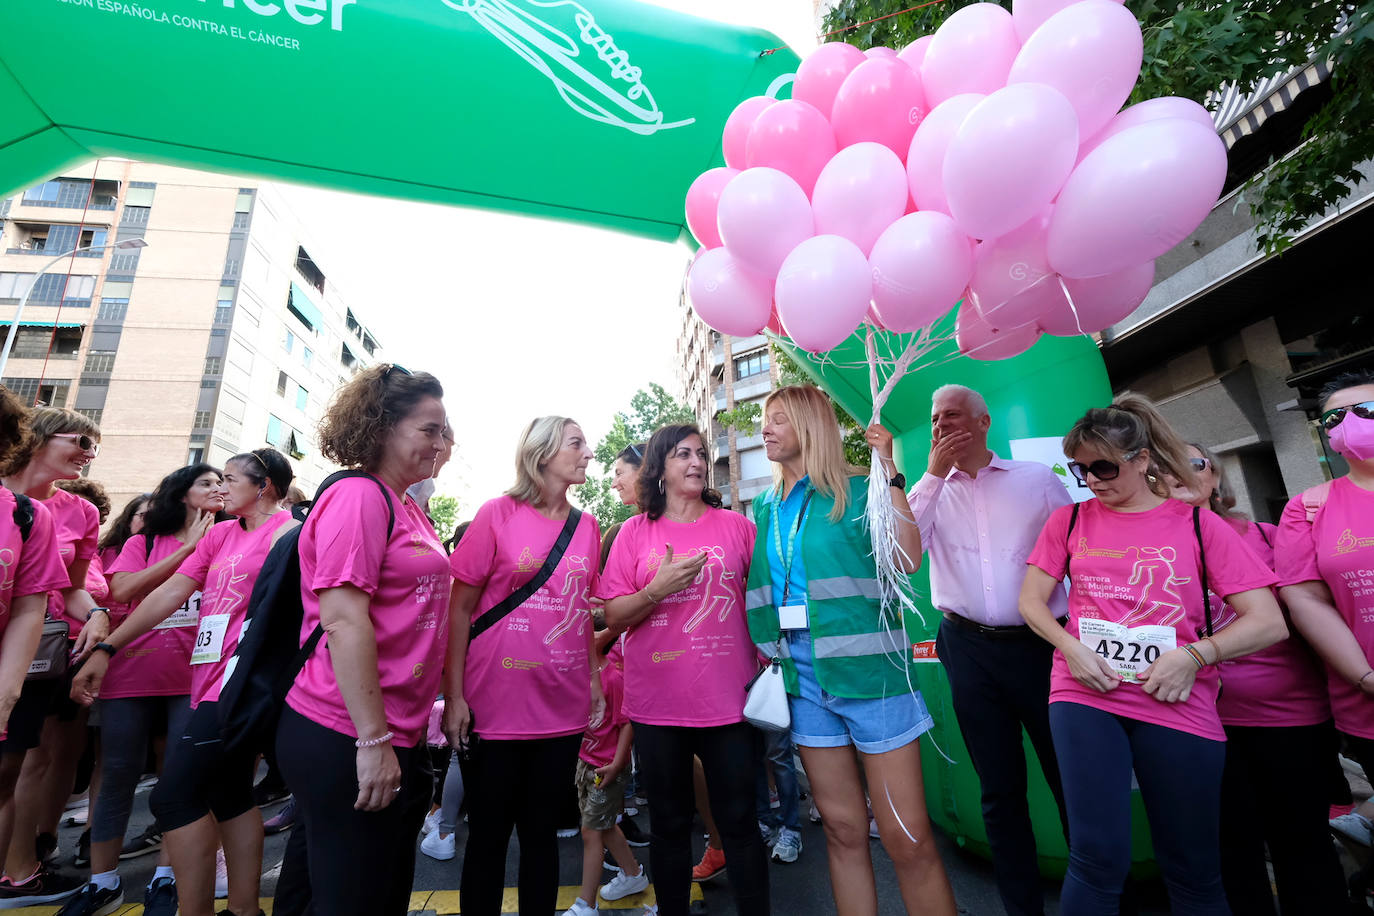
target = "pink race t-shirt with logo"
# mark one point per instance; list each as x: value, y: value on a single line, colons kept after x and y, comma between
x: 528, y: 676
x: 158, y: 663
x: 1337, y: 548
x: 107, y: 557
x: 224, y: 566
x: 1141, y: 569
x: 689, y: 661
x: 1278, y: 686
x: 600, y: 744
x: 77, y: 524
x: 27, y: 566
x: 344, y: 542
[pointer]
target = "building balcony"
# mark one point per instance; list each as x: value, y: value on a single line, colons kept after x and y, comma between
x: 737, y: 346
x: 752, y: 387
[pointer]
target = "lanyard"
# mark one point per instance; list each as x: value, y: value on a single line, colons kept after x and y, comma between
x: 786, y: 557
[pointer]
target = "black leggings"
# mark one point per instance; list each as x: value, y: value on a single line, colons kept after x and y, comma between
x: 359, y: 863
x: 730, y: 755
x: 198, y: 778
x: 516, y: 785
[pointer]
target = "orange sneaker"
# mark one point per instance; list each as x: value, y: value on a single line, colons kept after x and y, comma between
x: 712, y: 863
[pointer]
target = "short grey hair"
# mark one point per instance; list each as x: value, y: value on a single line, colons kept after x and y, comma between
x: 972, y: 398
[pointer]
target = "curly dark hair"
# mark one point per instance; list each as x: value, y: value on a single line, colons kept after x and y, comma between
x: 91, y: 491
x: 652, y: 499
x: 14, y: 426
x: 120, y: 529
x: 354, y: 428
x: 166, y: 507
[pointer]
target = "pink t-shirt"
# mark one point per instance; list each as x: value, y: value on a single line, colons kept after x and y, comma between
x: 27, y: 567
x: 158, y: 663
x: 343, y: 542
x: 96, y: 584
x: 224, y: 565
x: 1282, y: 685
x: 600, y: 744
x: 1141, y: 569
x: 118, y: 612
x: 77, y: 524
x: 529, y: 675
x: 1337, y: 548
x: 688, y: 662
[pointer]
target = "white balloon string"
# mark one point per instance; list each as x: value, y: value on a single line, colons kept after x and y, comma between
x: 1068, y: 297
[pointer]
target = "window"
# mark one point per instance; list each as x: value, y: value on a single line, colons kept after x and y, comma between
x: 194, y: 455
x: 290, y: 342
x: 100, y: 361
x: 31, y: 343
x: 306, y: 356
x: 49, y: 289
x: 224, y: 314
x: 751, y: 364
x: 274, y: 430
x: 302, y: 397
x: 124, y: 263
x: 214, y: 365
x: 134, y: 216
x: 73, y: 193
x: 307, y: 269
x: 209, y: 383
x: 244, y: 202
x: 203, y: 419
x: 346, y: 356
x: 241, y: 220
x: 94, y: 414
x: 112, y: 309
x: 281, y: 384
x: 50, y: 393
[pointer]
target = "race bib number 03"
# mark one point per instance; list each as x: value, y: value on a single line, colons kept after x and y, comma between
x: 1128, y: 650
x: 210, y: 639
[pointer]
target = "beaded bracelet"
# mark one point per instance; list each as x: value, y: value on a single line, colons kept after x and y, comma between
x: 373, y: 742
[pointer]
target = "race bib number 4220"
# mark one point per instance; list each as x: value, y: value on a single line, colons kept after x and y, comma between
x: 1129, y: 650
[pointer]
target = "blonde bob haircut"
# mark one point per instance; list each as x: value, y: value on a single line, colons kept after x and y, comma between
x: 812, y: 416
x: 540, y: 442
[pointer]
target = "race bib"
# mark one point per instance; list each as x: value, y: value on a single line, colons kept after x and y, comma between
x: 188, y: 615
x: 210, y: 639
x: 1129, y: 650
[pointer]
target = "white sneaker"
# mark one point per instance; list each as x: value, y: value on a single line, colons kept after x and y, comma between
x: 439, y: 847
x: 221, y: 875
x: 1355, y: 827
x: 431, y: 823
x: 623, y: 885
x: 788, y: 846
x: 568, y: 833
x: 580, y: 907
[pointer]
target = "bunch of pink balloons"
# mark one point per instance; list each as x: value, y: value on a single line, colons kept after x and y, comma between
x: 990, y: 162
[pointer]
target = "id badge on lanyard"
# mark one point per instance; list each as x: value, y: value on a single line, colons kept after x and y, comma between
x: 792, y: 615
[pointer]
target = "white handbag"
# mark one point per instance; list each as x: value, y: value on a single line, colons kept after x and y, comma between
x: 766, y: 703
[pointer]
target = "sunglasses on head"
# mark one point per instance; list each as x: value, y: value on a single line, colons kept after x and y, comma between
x: 396, y: 367
x: 1332, y: 418
x: 84, y: 442
x: 1102, y: 469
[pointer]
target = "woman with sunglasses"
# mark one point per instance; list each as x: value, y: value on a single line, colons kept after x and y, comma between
x: 1133, y: 687
x: 61, y: 445
x: 1325, y: 552
x: 198, y: 780
x: 1280, y: 746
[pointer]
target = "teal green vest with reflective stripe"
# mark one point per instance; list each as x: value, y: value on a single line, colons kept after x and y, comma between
x: 856, y: 656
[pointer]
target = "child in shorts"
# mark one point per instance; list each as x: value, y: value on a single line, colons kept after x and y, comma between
x: 602, y: 772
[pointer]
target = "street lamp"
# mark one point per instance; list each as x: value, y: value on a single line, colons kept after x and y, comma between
x: 19, y: 312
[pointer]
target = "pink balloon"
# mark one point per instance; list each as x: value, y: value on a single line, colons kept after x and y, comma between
x: 978, y: 340
x: 736, y: 133
x: 792, y: 137
x: 925, y: 160
x: 1099, y: 302
x: 1169, y: 106
x: 1009, y: 158
x: 920, y: 265
x: 820, y: 75
x: 859, y: 194
x: 915, y: 53
x: 702, y: 198
x: 880, y: 51
x: 881, y: 101
x: 1029, y: 15
x: 823, y: 291
x: 727, y: 296
x: 971, y: 52
x: 763, y: 214
x: 1136, y: 196
x: 1091, y: 52
x: 1012, y: 283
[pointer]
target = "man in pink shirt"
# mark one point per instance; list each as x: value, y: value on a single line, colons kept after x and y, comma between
x: 979, y: 517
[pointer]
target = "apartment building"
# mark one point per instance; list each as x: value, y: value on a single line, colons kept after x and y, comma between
x: 221, y: 334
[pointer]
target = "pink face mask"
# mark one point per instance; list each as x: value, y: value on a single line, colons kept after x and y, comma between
x: 1353, y: 437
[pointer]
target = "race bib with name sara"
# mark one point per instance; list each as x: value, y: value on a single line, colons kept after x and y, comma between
x: 1129, y: 650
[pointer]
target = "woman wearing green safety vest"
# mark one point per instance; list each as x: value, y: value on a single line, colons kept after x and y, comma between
x: 813, y: 601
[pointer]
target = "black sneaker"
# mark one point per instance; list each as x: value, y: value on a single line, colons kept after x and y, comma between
x: 94, y: 901
x: 148, y: 841
x: 633, y: 835
x: 45, y: 847
x: 269, y: 791
x: 44, y: 887
x: 82, y: 859
x: 161, y: 898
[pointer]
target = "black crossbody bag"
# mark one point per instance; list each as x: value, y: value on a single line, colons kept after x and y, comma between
x: 522, y: 594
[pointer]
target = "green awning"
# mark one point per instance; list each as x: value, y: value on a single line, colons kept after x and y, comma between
x: 305, y: 309
x: 44, y: 324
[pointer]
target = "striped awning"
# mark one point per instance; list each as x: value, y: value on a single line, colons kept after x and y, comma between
x: 44, y: 324
x: 1239, y: 114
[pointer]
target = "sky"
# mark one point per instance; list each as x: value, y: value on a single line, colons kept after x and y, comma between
x: 517, y: 317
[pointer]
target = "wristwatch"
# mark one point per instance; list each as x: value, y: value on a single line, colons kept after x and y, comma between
x: 103, y: 610
x: 897, y: 480
x: 105, y: 647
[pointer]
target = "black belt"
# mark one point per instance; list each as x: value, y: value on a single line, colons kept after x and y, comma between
x: 1018, y: 631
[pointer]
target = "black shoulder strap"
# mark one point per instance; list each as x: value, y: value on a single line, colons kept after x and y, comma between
x: 23, y: 515
x: 1202, y: 561
x: 1068, y: 539
x: 1260, y: 529
x: 148, y: 538
x: 522, y: 594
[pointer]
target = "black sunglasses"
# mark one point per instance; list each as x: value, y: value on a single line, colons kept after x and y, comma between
x: 1333, y: 417
x: 1102, y: 469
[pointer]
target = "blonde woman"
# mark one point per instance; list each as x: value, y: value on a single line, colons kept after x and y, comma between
x: 813, y: 600
x: 523, y: 681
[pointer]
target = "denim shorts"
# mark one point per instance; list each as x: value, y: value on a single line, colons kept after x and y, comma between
x: 874, y: 726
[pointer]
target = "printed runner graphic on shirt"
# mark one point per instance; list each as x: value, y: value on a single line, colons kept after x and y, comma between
x: 715, y: 595
x: 1154, y: 566
x: 576, y: 587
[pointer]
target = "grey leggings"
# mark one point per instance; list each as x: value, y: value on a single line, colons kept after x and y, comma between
x: 126, y: 724
x: 453, y: 797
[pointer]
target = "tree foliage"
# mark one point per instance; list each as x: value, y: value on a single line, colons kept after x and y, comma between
x: 443, y: 510
x: 1193, y: 49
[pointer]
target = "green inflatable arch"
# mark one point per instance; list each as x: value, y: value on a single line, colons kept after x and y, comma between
x: 600, y: 112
